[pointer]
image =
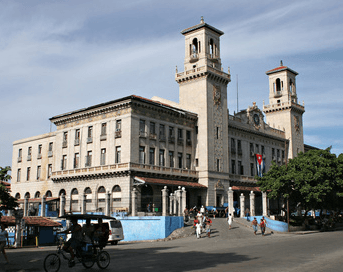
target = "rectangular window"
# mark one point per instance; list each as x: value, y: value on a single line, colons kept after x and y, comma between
x: 40, y: 149
x: 38, y: 172
x: 273, y: 154
x: 239, y: 147
x: 28, y: 172
x: 118, y: 129
x: 171, y: 159
x: 152, y: 128
x: 262, y: 150
x: 64, y: 162
x: 118, y: 154
x: 217, y: 132
x: 142, y: 155
x: 162, y: 134
x: 76, y: 160
x: 257, y: 149
x: 18, y: 175
x: 49, y: 170
x: 239, y: 168
x: 179, y: 157
x: 152, y: 156
x: 179, y: 134
x: 283, y: 156
x: 218, y: 165
x: 161, y: 158
x: 103, y: 129
x: 89, y: 158
x: 29, y: 151
x: 252, y: 149
x: 20, y: 153
x: 65, y: 139
x: 233, y: 167
x: 252, y: 171
x: 171, y: 136
x: 188, y: 161
x: 51, y: 146
x: 103, y: 156
x: 233, y: 146
x: 142, y: 126
x: 90, y: 134
x: 77, y: 134
x: 188, y: 138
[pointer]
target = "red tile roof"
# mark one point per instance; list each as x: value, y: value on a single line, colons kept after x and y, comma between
x: 168, y: 182
x: 279, y: 69
x: 31, y: 221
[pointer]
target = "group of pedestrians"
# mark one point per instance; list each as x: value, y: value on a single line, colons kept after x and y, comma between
x: 202, y: 223
x: 262, y: 225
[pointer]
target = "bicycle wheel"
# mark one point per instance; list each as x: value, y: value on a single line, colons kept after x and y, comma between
x: 103, y: 260
x: 52, y: 263
x: 88, y: 261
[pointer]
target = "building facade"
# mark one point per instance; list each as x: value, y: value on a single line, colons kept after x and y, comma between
x: 110, y: 148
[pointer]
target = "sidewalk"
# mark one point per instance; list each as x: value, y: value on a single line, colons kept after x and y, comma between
x: 245, y: 223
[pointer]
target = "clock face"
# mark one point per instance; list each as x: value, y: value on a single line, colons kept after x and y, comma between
x: 256, y: 119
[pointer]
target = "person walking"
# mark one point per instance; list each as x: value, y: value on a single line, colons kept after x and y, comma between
x: 208, y: 222
x: 263, y: 227
x: 229, y: 220
x: 3, y: 238
x: 197, y: 225
x: 254, y: 224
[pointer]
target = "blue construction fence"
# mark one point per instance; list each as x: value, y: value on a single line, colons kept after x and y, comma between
x: 271, y: 224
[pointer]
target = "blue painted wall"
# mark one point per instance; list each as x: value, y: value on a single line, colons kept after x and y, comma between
x: 149, y: 227
x: 272, y: 224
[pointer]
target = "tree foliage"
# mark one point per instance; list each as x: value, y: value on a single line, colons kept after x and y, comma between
x: 7, y: 202
x: 312, y: 179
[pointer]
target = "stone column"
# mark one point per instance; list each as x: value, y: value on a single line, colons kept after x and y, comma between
x: 133, y: 202
x: 171, y: 204
x: 184, y: 200
x: 82, y: 200
x: 252, y: 203
x: 242, y: 200
x: 179, y: 208
x: 108, y: 204
x: 264, y: 203
x: 176, y: 193
x: 62, y: 204
x: 164, y: 200
x: 26, y: 206
x: 230, y: 201
x: 43, y: 212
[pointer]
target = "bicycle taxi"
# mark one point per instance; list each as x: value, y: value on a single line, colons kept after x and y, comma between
x: 88, y: 252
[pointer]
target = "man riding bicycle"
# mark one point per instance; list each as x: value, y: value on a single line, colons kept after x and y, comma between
x: 75, y: 241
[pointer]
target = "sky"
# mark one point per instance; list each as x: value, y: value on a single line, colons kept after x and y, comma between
x: 60, y: 56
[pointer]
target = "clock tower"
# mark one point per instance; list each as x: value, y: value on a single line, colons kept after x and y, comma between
x: 283, y: 108
x: 203, y: 90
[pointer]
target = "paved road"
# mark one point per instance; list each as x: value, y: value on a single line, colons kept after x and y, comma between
x: 237, y: 249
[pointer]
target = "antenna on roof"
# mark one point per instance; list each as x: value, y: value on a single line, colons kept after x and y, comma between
x: 281, y: 64
x: 237, y: 92
x: 202, y: 20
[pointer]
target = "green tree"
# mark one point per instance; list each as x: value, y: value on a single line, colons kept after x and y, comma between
x: 7, y: 202
x: 310, y: 180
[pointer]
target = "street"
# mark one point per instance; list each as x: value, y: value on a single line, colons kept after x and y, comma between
x: 237, y: 249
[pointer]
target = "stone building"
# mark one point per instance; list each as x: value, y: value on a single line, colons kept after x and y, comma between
x: 104, y: 151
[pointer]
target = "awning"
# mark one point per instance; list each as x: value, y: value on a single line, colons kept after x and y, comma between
x: 246, y: 188
x: 31, y: 221
x: 168, y: 182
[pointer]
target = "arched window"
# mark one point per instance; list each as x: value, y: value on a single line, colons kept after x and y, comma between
x: 211, y: 48
x: 17, y: 196
x: 48, y: 193
x: 62, y: 192
x: 116, y: 197
x: 37, y: 194
x: 278, y: 85
x: 88, y: 193
x: 27, y: 195
x: 101, y: 197
x: 194, y: 48
x: 116, y: 188
x: 75, y: 200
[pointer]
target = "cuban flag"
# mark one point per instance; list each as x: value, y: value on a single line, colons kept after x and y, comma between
x: 259, y: 165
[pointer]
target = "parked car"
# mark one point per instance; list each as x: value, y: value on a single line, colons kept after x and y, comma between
x: 116, y: 231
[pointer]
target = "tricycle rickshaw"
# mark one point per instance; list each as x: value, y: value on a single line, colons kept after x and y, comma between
x: 86, y: 253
